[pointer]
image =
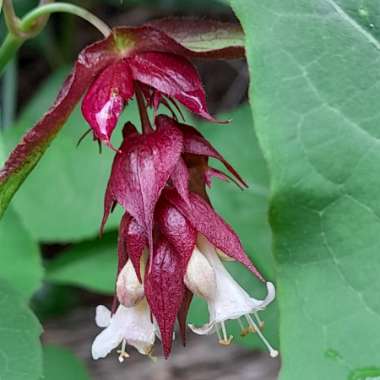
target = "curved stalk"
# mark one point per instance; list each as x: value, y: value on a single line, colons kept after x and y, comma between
x: 32, y: 24
x: 29, y: 20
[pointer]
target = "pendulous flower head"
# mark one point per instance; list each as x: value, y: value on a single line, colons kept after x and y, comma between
x: 168, y: 215
x: 170, y: 237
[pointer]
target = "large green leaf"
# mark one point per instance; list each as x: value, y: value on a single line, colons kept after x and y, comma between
x: 90, y: 264
x: 20, y: 348
x: 63, y: 199
x: 315, y: 91
x: 62, y: 364
x: 20, y: 262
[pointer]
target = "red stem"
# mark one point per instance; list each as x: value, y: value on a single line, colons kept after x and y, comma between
x: 145, y: 123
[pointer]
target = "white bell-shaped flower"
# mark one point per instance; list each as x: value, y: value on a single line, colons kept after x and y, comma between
x: 228, y: 299
x: 132, y: 325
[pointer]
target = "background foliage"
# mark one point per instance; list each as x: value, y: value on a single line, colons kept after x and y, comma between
x: 317, y: 121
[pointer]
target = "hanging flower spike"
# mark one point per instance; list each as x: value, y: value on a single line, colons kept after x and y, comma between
x: 227, y: 299
x: 130, y: 324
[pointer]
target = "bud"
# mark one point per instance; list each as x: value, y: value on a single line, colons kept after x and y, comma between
x: 129, y: 290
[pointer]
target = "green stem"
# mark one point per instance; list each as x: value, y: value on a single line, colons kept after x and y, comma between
x: 9, y: 94
x: 29, y: 20
x: 12, y: 42
x: 11, y: 20
x: 8, y: 49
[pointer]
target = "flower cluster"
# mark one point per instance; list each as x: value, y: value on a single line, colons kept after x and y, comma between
x: 171, y: 240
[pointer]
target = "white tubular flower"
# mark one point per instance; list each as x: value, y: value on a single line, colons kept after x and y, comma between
x: 200, y: 276
x: 131, y: 325
x: 128, y: 288
x: 230, y: 300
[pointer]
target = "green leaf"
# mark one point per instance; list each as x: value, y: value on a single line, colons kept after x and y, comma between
x: 315, y: 91
x: 91, y: 264
x: 246, y: 211
x: 63, y: 199
x: 61, y: 364
x: 20, y: 262
x: 20, y: 350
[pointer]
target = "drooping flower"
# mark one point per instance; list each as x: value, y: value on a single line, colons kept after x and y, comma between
x: 130, y: 324
x: 158, y: 177
x: 226, y: 299
x: 152, y: 179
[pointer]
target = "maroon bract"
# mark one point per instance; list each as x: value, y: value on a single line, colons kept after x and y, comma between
x: 102, y: 68
x: 207, y: 222
x: 106, y: 98
x: 164, y: 289
x: 141, y: 170
x: 166, y: 73
x: 196, y: 144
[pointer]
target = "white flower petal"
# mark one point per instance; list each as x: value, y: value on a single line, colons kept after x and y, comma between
x: 102, y: 316
x: 139, y: 329
x: 200, y: 277
x: 132, y: 324
x: 271, y: 295
x: 111, y: 336
x: 231, y: 301
x: 207, y: 329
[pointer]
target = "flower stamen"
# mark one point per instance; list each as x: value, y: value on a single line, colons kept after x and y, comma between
x: 252, y: 324
x: 260, y: 322
x: 225, y: 341
x: 123, y: 354
x: 244, y: 331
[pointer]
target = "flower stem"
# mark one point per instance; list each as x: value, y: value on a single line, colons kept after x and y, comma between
x: 9, y: 94
x: 8, y: 49
x: 28, y: 21
x: 11, y: 20
x: 31, y: 25
x: 145, y: 123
